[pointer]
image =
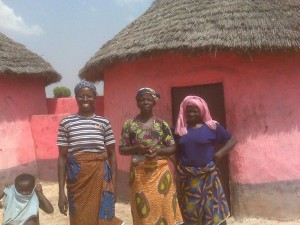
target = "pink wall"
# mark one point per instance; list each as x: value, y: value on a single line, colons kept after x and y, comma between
x: 260, y: 100
x: 69, y: 105
x: 265, y: 120
x: 262, y: 111
x: 19, y: 99
x: 61, y: 105
x: 44, y: 132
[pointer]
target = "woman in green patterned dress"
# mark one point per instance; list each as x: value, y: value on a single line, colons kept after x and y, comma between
x: 149, y: 141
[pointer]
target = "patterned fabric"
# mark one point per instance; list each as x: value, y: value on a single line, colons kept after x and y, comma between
x: 201, y: 196
x: 150, y: 91
x: 153, y: 195
x: 83, y: 134
x: 85, y: 84
x: 90, y: 190
x: 159, y: 135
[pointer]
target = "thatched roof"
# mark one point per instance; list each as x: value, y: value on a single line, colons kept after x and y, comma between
x: 202, y: 25
x: 17, y: 61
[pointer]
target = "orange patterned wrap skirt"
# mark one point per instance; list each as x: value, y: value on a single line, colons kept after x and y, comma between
x: 90, y: 190
x: 153, y: 195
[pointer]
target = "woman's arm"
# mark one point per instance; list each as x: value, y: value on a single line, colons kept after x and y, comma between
x: 113, y: 164
x: 134, y: 150
x: 62, y: 200
x: 168, y: 141
x: 126, y: 148
x: 154, y: 151
x: 225, y: 149
x: 44, y: 203
x: 167, y: 151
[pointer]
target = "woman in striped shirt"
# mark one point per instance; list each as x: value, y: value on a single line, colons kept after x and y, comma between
x: 87, y: 163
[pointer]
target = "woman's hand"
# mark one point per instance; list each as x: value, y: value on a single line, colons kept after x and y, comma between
x: 217, y: 158
x: 143, y: 149
x: 152, y: 152
x: 224, y: 150
x: 62, y: 199
x: 63, y: 203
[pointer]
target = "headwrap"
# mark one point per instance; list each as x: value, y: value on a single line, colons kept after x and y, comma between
x: 181, y: 125
x: 146, y: 90
x: 85, y: 84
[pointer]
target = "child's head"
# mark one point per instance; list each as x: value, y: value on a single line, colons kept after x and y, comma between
x: 25, y: 183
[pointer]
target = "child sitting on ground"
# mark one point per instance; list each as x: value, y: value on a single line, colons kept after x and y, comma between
x: 22, y: 200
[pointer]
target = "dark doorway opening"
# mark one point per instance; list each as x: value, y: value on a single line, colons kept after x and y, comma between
x: 213, y: 94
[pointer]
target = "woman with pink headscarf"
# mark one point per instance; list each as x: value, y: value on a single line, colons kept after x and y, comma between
x: 200, y: 193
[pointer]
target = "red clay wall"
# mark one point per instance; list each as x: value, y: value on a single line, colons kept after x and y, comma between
x: 262, y: 111
x: 19, y: 99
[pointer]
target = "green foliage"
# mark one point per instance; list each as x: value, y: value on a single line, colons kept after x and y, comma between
x: 61, y: 92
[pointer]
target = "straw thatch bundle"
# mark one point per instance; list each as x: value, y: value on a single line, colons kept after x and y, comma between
x: 202, y: 25
x: 17, y: 61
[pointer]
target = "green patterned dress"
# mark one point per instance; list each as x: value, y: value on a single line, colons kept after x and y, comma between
x: 153, y: 197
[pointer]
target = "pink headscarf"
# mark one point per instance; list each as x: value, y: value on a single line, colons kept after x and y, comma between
x: 181, y: 125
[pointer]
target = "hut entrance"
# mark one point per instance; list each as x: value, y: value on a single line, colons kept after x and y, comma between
x: 214, y: 96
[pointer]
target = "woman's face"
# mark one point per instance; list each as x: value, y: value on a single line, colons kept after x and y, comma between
x: 146, y: 103
x: 86, y: 100
x: 193, y: 115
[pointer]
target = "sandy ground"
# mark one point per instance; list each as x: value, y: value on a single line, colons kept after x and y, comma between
x: 50, y: 190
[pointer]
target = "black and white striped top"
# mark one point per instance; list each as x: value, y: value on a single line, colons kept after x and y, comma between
x: 82, y: 134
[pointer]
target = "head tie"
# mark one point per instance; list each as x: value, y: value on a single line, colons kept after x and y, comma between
x: 150, y: 91
x: 85, y: 84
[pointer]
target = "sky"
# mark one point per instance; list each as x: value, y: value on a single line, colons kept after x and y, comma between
x: 67, y: 33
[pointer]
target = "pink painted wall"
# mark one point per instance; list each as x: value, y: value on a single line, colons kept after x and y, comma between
x: 44, y: 132
x: 262, y: 111
x: 19, y: 99
x: 260, y: 101
x: 61, y: 105
x: 69, y: 105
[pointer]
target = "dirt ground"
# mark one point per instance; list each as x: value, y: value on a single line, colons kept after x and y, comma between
x: 50, y: 190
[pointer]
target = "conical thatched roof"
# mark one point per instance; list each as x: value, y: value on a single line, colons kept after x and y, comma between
x: 17, y: 61
x: 202, y: 25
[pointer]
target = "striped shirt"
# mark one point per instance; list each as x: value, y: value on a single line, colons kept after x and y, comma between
x: 81, y: 134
